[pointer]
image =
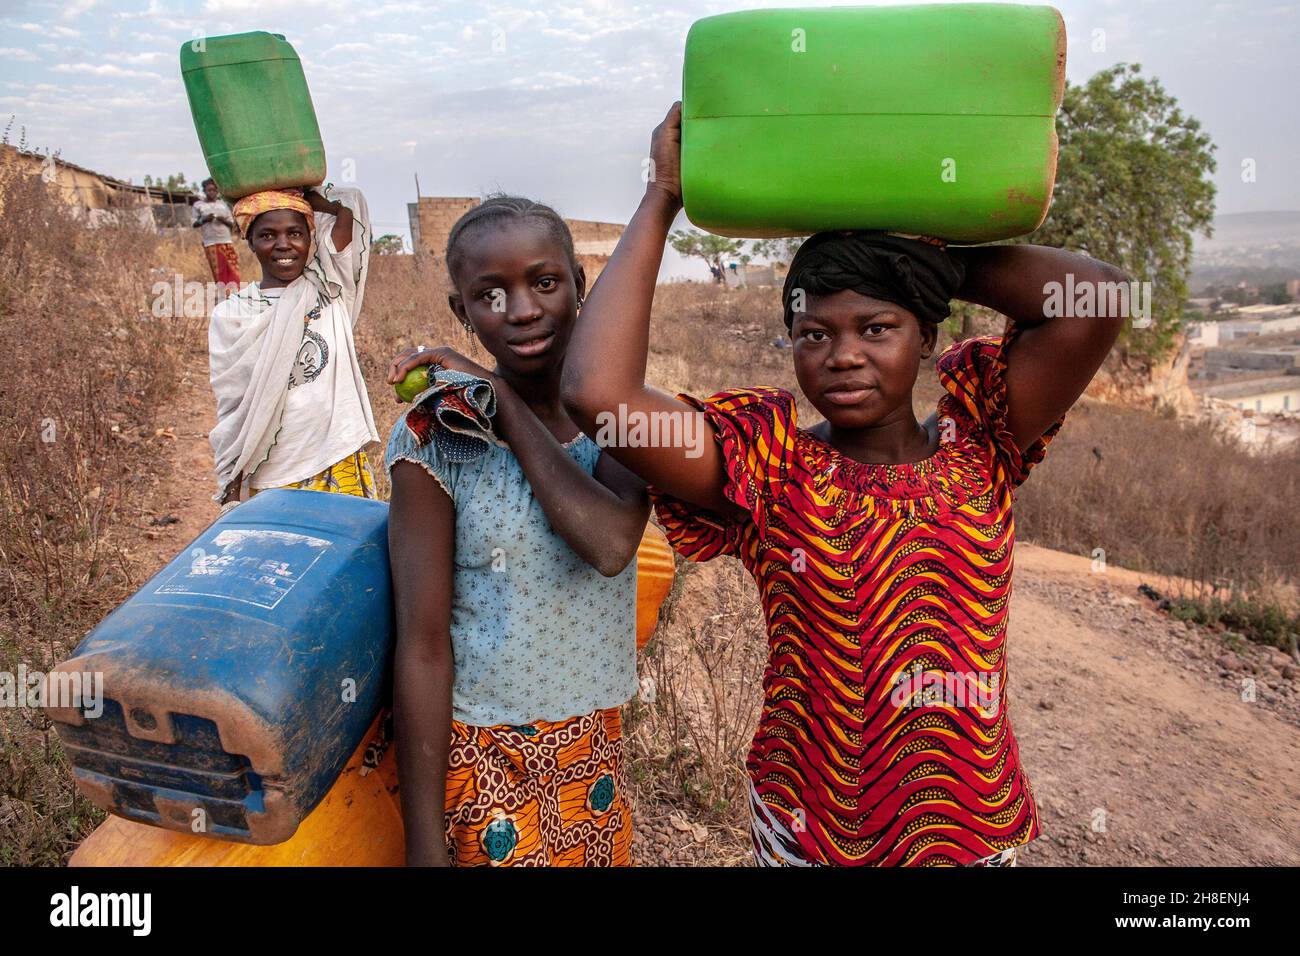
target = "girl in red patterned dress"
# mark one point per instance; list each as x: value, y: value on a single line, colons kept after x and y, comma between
x: 881, y: 545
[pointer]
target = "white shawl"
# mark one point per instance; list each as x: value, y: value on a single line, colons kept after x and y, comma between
x: 251, y: 362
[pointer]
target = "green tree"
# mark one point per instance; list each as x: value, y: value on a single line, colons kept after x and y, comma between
x: 388, y: 245
x: 705, y: 245
x: 1133, y: 187
x: 176, y: 183
x: 780, y: 250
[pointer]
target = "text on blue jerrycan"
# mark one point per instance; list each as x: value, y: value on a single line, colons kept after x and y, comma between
x: 239, y: 680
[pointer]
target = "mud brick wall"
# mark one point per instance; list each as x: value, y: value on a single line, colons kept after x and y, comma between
x: 436, y: 217
x: 593, y: 242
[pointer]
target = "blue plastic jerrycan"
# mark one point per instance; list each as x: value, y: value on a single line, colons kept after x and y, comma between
x: 239, y: 680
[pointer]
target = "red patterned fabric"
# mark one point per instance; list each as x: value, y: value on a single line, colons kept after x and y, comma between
x: 223, y: 260
x: 884, y: 737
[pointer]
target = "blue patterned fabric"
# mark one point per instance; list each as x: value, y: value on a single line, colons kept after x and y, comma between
x: 537, y: 633
x: 460, y: 406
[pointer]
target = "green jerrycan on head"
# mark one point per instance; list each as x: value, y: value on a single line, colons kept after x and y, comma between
x: 253, y: 113
x: 937, y: 120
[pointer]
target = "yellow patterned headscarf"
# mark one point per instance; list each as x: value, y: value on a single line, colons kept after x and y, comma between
x: 252, y: 206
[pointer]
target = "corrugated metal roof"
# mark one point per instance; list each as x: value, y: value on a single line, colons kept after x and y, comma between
x: 150, y: 191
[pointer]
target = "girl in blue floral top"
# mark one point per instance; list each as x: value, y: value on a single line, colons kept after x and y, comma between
x: 513, y: 575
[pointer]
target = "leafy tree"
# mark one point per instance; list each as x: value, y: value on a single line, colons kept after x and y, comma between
x: 389, y: 245
x: 176, y: 183
x: 705, y: 245
x: 1132, y: 187
x: 778, y: 250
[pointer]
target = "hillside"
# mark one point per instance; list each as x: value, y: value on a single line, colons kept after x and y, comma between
x: 1259, y: 247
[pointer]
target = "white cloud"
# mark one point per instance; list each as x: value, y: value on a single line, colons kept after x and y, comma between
x: 15, y: 54
x: 349, y: 48
x: 53, y: 29
x: 141, y: 59
x: 299, y: 8
x: 103, y: 69
x: 76, y: 8
x: 150, y: 12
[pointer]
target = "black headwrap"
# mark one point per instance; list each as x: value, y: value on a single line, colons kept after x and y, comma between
x: 918, y: 275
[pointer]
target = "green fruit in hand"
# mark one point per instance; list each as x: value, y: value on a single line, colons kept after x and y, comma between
x: 416, y: 381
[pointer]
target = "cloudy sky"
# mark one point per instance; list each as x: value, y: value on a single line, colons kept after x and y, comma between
x: 556, y: 101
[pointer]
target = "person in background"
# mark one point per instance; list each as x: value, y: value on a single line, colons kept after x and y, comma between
x: 214, y: 220
x: 292, y: 406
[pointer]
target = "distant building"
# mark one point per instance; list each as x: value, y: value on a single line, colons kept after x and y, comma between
x: 1282, y: 359
x: 99, y: 198
x: 1203, y: 334
x: 1264, y: 311
x: 1260, y: 320
x: 1278, y: 394
x: 432, y: 217
x: 1293, y: 289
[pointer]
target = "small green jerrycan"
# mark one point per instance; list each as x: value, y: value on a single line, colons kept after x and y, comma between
x: 937, y: 120
x: 253, y: 113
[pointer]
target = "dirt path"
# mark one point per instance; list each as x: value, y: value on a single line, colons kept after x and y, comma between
x: 187, y: 495
x: 1139, y: 723
x: 1133, y: 727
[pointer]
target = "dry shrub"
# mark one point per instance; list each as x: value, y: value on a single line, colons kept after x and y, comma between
x: 86, y: 368
x: 1170, y: 497
x: 405, y: 305
x: 705, y: 337
x: 686, y: 747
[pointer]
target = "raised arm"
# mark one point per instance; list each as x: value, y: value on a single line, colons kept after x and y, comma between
x: 341, y: 234
x: 601, y: 517
x: 604, y: 371
x: 421, y: 547
x: 1054, y: 358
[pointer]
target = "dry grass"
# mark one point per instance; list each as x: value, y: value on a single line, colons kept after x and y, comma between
x: 405, y: 305
x: 76, y: 412
x: 1178, y: 499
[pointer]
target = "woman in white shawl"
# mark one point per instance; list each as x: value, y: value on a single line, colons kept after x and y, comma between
x: 292, y: 407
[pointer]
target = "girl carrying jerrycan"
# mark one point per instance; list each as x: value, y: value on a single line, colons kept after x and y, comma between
x: 881, y: 545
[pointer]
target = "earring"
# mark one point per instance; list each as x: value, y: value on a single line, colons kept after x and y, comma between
x: 578, y: 307
x: 472, y: 339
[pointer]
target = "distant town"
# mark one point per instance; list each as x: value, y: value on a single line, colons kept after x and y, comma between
x: 1244, y: 345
